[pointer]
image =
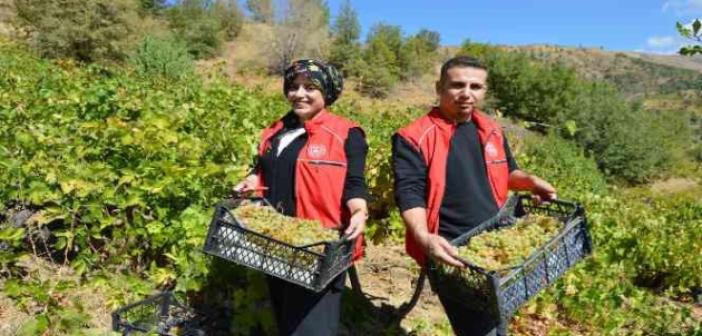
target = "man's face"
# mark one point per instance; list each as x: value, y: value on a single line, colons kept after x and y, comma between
x: 462, y: 91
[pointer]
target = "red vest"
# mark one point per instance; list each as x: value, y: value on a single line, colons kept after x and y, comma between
x: 431, y: 136
x: 320, y: 171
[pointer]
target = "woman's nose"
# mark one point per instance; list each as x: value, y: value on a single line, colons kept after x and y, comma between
x: 300, y: 91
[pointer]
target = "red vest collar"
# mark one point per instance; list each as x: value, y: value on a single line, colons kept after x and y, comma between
x: 482, y: 122
x: 317, y: 121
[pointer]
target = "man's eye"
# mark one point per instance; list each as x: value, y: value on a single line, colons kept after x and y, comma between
x: 476, y: 86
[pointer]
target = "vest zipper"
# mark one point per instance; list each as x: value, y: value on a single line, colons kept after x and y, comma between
x: 327, y: 162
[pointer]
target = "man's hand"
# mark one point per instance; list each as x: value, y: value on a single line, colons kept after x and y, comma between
x: 541, y: 190
x: 441, y: 250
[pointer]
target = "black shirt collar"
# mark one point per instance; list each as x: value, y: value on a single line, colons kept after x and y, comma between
x: 291, y: 121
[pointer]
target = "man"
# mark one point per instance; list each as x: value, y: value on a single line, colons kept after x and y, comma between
x: 453, y: 169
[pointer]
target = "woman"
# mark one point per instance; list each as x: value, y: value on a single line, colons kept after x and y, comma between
x: 311, y: 165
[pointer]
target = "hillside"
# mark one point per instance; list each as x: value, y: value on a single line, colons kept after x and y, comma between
x: 691, y: 63
x: 635, y: 75
x: 6, y: 15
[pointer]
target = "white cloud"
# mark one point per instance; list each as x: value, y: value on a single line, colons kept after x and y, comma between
x: 662, y: 45
x: 683, y: 7
x: 660, y: 42
x: 657, y: 52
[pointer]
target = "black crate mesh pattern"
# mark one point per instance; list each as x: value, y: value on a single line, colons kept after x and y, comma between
x: 553, y: 261
x: 311, y: 267
x: 155, y: 315
x: 545, y: 265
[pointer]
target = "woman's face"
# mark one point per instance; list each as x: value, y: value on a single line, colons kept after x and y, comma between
x: 305, y: 98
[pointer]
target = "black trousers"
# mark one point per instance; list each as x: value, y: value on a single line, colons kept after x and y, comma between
x: 299, y: 311
x: 465, y: 321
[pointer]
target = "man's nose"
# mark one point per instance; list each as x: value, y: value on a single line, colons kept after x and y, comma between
x: 466, y: 93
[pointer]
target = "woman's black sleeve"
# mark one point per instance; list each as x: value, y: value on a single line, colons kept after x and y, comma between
x: 356, y: 149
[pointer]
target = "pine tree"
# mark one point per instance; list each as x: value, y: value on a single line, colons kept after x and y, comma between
x: 345, y: 47
x: 261, y: 10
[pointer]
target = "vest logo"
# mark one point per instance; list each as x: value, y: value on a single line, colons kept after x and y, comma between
x: 316, y: 151
x: 490, y: 150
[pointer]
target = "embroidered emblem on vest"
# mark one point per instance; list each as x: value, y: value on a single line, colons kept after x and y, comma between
x: 490, y: 150
x: 316, y: 151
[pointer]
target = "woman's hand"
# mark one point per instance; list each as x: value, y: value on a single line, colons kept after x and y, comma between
x: 359, y: 215
x: 249, y: 184
x: 357, y: 224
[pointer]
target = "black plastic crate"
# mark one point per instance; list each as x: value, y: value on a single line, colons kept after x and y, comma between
x: 160, y: 314
x: 312, y: 266
x: 491, y: 298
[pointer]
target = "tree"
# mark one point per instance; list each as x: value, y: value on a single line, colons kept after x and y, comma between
x: 229, y: 16
x: 303, y: 31
x: 152, y: 6
x: 345, y: 46
x: 86, y: 30
x: 383, y: 48
x: 430, y: 39
x: 694, y: 33
x: 418, y: 53
x: 261, y: 10
x: 167, y: 57
x: 191, y: 20
x: 204, y: 24
x: 379, y: 68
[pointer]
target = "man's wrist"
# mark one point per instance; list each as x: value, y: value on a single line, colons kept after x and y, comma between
x: 423, y: 240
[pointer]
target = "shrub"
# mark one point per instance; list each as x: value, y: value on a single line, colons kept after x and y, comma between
x: 84, y: 30
x: 167, y: 57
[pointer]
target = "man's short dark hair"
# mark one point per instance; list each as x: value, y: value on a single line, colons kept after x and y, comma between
x: 460, y: 61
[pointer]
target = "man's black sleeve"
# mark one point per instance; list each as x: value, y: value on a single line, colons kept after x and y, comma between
x: 511, y: 162
x: 410, y: 175
x: 356, y: 150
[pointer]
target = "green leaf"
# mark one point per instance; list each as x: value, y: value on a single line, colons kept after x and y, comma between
x: 35, y: 326
x: 696, y: 27
x: 684, y: 31
x: 12, y: 234
x: 571, y: 127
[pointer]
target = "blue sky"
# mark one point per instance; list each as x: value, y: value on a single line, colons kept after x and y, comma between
x: 625, y: 25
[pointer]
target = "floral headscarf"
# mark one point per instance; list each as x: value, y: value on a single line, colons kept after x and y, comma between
x: 324, y: 76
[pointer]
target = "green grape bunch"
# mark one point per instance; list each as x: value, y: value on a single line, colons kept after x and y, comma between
x: 502, y: 249
x: 497, y: 250
x: 294, y: 231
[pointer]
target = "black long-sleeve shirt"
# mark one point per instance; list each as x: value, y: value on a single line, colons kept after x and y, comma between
x: 468, y: 199
x: 279, y: 170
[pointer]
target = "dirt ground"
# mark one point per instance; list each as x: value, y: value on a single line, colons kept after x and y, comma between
x: 11, y: 317
x: 673, y: 185
x: 87, y: 300
x: 388, y: 278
